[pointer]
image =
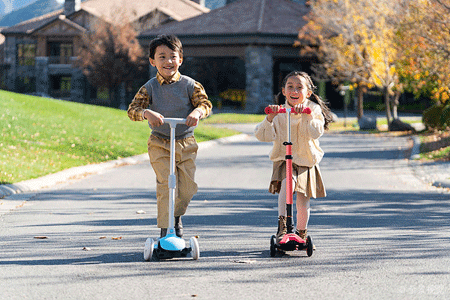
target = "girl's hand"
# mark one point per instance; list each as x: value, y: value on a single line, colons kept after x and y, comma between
x: 154, y: 118
x: 275, y: 109
x: 193, y: 118
x: 298, y: 108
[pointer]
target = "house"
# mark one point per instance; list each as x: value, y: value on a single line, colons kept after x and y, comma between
x: 2, y: 65
x: 39, y: 53
x: 246, y: 45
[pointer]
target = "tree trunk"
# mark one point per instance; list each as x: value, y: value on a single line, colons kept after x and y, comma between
x: 395, y: 104
x: 387, y: 104
x: 360, y: 108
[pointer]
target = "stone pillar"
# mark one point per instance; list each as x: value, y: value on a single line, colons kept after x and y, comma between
x: 122, y: 95
x: 42, y: 77
x: 10, y: 59
x: 259, y: 78
x: 77, y: 84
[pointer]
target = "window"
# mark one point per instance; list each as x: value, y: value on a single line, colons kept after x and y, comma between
x: 26, y: 54
x: 60, y: 86
x: 60, y: 53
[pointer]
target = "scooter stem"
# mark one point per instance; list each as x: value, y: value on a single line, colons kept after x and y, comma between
x: 173, y: 122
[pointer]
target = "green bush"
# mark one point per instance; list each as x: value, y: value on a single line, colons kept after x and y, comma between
x: 432, y: 117
x: 445, y: 116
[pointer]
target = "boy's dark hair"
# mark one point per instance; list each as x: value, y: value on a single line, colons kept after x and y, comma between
x: 326, y: 112
x: 170, y: 41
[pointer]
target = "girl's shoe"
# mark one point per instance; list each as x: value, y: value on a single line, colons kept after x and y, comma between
x: 282, y: 228
x: 303, y: 234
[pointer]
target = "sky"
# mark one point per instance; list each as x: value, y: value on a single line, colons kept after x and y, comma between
x: 6, y: 6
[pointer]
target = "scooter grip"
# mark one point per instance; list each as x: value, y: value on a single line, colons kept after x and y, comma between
x: 305, y: 110
x: 268, y: 110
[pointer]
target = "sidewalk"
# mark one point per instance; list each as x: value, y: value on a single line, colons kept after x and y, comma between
x: 433, y: 173
x: 14, y: 195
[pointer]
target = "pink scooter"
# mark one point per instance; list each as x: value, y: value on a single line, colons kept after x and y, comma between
x: 290, y: 241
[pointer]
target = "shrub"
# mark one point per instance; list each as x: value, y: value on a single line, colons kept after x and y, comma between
x: 445, y: 116
x: 431, y: 117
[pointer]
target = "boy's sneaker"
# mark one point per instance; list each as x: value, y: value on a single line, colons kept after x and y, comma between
x: 178, y: 227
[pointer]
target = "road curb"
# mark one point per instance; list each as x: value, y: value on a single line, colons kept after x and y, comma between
x: 415, y: 155
x: 72, y: 173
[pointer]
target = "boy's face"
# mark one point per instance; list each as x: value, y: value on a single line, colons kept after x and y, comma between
x: 166, y: 61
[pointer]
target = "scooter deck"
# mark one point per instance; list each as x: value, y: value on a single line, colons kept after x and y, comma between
x: 291, y: 242
x: 161, y: 253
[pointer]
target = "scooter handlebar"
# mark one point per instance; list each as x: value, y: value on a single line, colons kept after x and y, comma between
x: 173, y: 122
x: 282, y: 110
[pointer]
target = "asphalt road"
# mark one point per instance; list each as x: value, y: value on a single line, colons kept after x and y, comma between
x: 380, y: 233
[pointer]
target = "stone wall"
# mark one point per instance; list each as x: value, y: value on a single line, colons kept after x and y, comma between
x: 42, y: 80
x: 259, y: 78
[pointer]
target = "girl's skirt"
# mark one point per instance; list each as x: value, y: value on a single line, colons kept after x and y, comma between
x: 308, y: 181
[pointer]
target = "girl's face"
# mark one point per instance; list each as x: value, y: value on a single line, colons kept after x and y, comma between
x: 296, y: 90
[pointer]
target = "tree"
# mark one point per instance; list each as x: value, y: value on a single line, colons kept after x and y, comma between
x: 110, y: 54
x: 425, y: 37
x: 354, y: 42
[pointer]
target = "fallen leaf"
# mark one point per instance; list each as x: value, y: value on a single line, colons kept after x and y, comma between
x: 244, y: 261
x: 103, y: 237
x: 117, y: 238
x: 40, y: 237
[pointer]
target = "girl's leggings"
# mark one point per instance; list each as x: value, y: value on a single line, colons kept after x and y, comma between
x: 302, y: 203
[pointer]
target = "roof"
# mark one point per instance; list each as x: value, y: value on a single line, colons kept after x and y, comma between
x: 177, y: 9
x: 244, y: 17
x: 27, y: 27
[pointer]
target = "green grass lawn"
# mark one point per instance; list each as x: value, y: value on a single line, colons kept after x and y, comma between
x: 40, y: 136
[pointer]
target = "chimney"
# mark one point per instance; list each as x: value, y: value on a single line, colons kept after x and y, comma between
x: 71, y: 6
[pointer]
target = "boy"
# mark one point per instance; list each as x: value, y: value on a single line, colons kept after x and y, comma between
x: 171, y: 95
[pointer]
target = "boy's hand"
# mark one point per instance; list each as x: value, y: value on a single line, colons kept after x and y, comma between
x: 193, y: 118
x: 154, y: 118
x: 275, y: 109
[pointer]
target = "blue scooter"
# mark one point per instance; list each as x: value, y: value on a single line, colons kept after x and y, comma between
x: 171, y: 245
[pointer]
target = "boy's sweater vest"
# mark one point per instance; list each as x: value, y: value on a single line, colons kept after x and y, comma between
x: 172, y: 101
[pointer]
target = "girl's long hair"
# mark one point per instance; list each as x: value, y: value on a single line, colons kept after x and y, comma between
x: 326, y: 112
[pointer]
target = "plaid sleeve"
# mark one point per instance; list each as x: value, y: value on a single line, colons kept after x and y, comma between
x: 140, y: 102
x: 200, y: 100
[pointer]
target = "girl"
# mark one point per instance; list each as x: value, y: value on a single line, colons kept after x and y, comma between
x: 297, y: 92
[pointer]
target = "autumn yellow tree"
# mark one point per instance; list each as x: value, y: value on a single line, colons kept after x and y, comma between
x: 424, y: 36
x: 354, y: 42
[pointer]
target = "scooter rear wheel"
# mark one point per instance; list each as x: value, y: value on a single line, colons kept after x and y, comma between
x: 148, y: 249
x: 195, y: 249
x: 309, y: 246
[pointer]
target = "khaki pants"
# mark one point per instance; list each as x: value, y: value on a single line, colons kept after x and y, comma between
x: 185, y: 155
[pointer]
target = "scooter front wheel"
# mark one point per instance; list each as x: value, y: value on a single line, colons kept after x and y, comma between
x: 148, y: 249
x: 195, y: 249
x: 273, y: 249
